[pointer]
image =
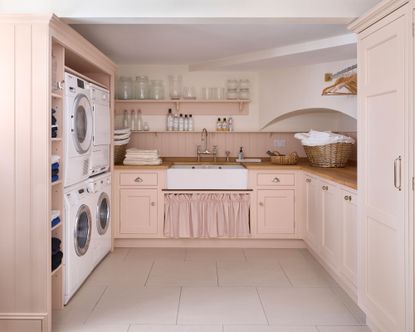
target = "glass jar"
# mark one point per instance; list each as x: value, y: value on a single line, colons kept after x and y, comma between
x: 175, y: 86
x: 232, y: 84
x: 244, y: 94
x: 157, y: 89
x: 141, y: 87
x: 125, y: 88
x: 244, y: 84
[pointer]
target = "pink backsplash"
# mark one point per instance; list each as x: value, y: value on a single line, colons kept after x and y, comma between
x: 184, y: 144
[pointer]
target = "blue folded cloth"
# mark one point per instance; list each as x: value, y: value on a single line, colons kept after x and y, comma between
x: 55, y: 166
x: 55, y: 178
x: 55, y: 171
x: 55, y: 221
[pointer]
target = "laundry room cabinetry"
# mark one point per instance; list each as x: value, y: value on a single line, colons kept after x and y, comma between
x: 138, y: 204
x: 273, y: 204
x: 331, y: 228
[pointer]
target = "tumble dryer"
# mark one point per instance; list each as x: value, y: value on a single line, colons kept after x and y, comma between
x: 78, y: 129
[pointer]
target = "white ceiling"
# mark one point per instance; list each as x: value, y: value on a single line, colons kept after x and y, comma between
x: 195, y: 43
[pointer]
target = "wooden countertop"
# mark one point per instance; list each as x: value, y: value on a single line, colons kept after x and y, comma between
x: 346, y: 176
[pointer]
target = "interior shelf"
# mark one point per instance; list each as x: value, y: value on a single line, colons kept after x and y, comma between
x: 56, y: 226
x: 86, y: 78
x: 57, y: 269
x: 56, y: 183
x: 191, y: 106
x: 56, y: 139
x: 56, y: 95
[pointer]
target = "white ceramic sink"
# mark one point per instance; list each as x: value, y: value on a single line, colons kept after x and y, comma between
x: 207, y: 177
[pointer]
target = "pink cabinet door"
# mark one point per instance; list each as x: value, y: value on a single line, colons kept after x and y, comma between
x: 276, y: 211
x: 314, y: 207
x: 138, y: 212
x: 331, y: 224
x: 348, y: 261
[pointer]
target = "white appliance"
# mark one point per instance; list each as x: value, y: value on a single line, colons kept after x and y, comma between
x: 100, y: 188
x: 79, y: 241
x: 100, y: 157
x: 78, y: 129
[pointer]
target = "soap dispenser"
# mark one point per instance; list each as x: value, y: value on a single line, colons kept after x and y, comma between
x: 241, y: 155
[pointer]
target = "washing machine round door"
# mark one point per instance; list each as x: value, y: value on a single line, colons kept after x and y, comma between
x: 103, y: 213
x: 82, y: 232
x: 82, y: 124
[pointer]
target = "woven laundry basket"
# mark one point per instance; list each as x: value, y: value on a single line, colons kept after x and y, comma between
x: 119, y: 153
x: 279, y: 159
x: 330, y: 155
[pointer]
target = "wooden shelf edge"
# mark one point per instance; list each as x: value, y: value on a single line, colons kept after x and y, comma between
x: 184, y: 101
x: 56, y: 270
x: 56, y: 226
x: 86, y: 78
x: 56, y: 139
x: 56, y: 95
x: 56, y: 183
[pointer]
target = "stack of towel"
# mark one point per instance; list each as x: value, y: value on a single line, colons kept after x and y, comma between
x: 57, y: 254
x: 55, y: 218
x: 122, y: 136
x: 54, y: 125
x: 318, y: 138
x: 55, y: 167
x: 142, y: 157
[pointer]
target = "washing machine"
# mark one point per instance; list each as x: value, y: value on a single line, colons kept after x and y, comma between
x: 100, y: 154
x: 79, y: 239
x: 100, y: 187
x: 78, y: 129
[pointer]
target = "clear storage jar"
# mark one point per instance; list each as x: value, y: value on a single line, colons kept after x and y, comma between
x: 125, y: 88
x: 175, y: 86
x: 157, y: 89
x: 141, y: 87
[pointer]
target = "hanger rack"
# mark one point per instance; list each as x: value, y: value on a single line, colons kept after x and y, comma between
x: 345, y: 84
x: 328, y: 77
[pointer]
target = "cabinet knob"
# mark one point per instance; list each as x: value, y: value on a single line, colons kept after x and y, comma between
x: 153, y: 204
x: 261, y: 204
x: 308, y: 180
x: 138, y: 179
x: 325, y: 188
x: 276, y: 180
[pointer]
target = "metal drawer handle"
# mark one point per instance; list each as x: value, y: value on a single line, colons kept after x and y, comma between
x: 348, y: 198
x: 325, y: 187
x: 276, y: 180
x: 308, y: 180
x: 397, y: 173
x: 261, y: 204
x: 153, y: 204
x: 138, y: 179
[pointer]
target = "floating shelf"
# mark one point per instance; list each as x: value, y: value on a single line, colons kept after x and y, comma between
x: 56, y: 183
x: 56, y: 95
x: 56, y: 139
x: 190, y: 106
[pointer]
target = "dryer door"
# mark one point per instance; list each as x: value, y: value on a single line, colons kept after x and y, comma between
x: 82, y: 124
x: 82, y: 231
x: 103, y: 213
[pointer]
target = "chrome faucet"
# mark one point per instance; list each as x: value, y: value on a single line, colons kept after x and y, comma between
x: 203, y: 150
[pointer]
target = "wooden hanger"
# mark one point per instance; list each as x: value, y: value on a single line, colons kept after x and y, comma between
x: 346, y: 82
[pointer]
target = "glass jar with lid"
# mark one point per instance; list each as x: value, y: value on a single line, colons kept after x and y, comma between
x: 175, y: 86
x: 125, y: 88
x: 157, y: 89
x: 141, y: 87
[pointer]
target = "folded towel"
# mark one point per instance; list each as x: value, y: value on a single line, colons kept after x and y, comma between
x: 54, y: 158
x: 56, y: 244
x: 55, y: 166
x: 56, y: 260
x: 318, y: 138
x: 55, y: 221
x: 55, y: 171
x: 137, y: 163
x: 55, y: 178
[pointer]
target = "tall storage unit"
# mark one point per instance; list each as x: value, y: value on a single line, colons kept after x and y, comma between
x: 385, y: 168
x: 36, y: 50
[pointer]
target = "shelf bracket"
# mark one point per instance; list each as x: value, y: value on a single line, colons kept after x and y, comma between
x: 178, y: 106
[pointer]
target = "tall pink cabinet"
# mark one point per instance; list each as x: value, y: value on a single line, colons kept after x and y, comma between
x: 385, y: 168
x: 28, y: 288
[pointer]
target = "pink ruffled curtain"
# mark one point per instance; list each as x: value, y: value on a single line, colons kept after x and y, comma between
x: 206, y: 215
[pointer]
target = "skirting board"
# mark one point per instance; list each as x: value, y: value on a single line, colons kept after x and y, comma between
x: 17, y: 322
x: 209, y: 243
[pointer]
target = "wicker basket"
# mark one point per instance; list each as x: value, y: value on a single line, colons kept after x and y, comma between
x: 119, y: 154
x: 280, y: 159
x: 330, y: 155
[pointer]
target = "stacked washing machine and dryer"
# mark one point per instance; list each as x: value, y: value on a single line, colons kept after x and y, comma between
x: 87, y: 179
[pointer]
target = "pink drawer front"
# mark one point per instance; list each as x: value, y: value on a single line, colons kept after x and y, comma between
x: 275, y: 179
x: 138, y: 179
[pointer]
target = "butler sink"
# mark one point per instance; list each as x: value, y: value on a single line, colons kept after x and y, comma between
x: 221, y: 177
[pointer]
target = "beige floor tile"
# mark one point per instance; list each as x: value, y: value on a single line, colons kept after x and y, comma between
x: 92, y: 328
x: 256, y: 328
x: 183, y: 274
x: 175, y: 328
x: 304, y: 306
x: 220, y: 305
x: 156, y: 254
x: 144, y: 305
x: 251, y: 274
x: 343, y: 329
x: 215, y: 254
x: 273, y: 256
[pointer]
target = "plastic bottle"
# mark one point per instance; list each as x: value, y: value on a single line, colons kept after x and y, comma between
x: 181, y: 122
x: 186, y: 123
x: 139, y: 123
x: 176, y: 122
x: 224, y: 125
x: 169, y: 121
x: 230, y: 124
x: 219, y: 125
x: 241, y: 155
x: 190, y: 122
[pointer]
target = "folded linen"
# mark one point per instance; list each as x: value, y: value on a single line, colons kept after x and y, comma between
x: 54, y: 158
x: 56, y: 260
x: 55, y: 166
x: 318, y: 138
x: 132, y: 162
x: 55, y: 178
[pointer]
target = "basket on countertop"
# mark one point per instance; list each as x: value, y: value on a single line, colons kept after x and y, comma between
x: 119, y: 153
x: 330, y: 155
x: 280, y: 159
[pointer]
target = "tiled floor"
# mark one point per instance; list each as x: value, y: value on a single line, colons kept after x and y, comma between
x: 209, y: 290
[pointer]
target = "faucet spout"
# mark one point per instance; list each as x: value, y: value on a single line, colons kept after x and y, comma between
x: 203, y: 150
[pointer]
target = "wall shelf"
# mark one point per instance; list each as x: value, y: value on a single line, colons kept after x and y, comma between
x: 189, y: 106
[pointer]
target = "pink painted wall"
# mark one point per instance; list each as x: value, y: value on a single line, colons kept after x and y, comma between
x: 184, y: 144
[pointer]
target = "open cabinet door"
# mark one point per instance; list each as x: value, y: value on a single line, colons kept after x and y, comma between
x: 384, y: 181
